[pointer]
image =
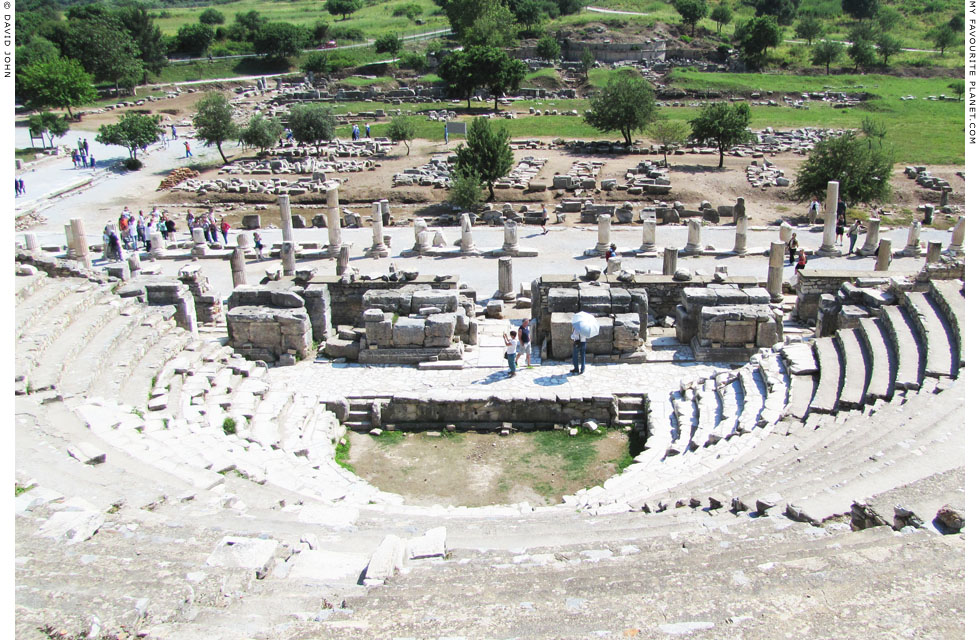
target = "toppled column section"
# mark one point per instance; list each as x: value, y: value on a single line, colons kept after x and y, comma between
x: 207, y: 304
x: 174, y: 294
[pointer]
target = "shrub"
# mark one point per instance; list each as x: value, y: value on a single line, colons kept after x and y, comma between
x: 229, y: 427
x: 412, y: 60
x: 132, y: 164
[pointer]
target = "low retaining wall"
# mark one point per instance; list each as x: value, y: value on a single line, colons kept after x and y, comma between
x: 347, y: 297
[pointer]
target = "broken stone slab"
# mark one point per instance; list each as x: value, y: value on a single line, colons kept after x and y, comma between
x: 86, y: 453
x: 430, y: 545
x: 72, y: 526
x: 952, y: 518
x: 325, y: 566
x: 244, y: 553
x: 386, y: 559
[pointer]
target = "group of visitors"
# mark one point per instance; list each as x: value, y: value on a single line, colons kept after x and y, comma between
x: 210, y: 225
x: 132, y: 232
x: 518, y: 343
x: 80, y: 157
x: 19, y: 188
x: 356, y: 132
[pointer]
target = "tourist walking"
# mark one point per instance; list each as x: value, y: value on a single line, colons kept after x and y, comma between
x: 173, y: 131
x: 225, y: 228
x: 792, y: 246
x: 524, y: 345
x: 841, y: 225
x: 258, y: 244
x: 814, y: 211
x: 544, y: 219
x: 801, y: 262
x: 187, y: 149
x: 852, y: 234
x: 511, y: 353
x: 367, y: 131
x: 578, y: 352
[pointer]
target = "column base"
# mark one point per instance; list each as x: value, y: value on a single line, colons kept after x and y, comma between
x: 510, y: 296
x: 377, y: 251
x: 829, y: 251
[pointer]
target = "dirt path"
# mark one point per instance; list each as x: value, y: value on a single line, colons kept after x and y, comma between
x: 481, y: 469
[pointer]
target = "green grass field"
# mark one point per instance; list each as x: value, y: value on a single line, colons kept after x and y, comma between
x: 373, y: 20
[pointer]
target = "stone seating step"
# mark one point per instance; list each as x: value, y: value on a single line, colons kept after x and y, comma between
x: 685, y: 417
x: 49, y: 365
x: 101, y: 348
x: 923, y: 497
x: 707, y: 399
x: 44, y: 300
x: 855, y: 371
x: 882, y: 359
x: 905, y: 345
x: 936, y: 337
x: 729, y: 396
x: 948, y: 296
x: 826, y: 395
x: 753, y: 398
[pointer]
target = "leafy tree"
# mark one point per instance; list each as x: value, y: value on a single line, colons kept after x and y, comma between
x: 958, y: 87
x: 943, y: 37
x: 136, y: 19
x: 50, y: 123
x: 568, y: 7
x: 105, y: 50
x: 343, y: 8
x: 388, y: 43
x: 691, y: 11
x: 627, y: 105
x: 412, y: 60
x: 312, y: 123
x: 548, y: 48
x: 59, y: 82
x: 887, y: 47
x: 403, y: 129
x: 863, y: 31
x: 782, y: 10
x: 465, y: 190
x: 722, y: 124
x: 213, y: 121
x: 261, y: 132
x: 956, y: 23
x: 487, y: 154
x: 458, y: 76
x: 809, y: 28
x: 668, y: 134
x: 827, y: 52
x: 863, y: 172
x: 495, y: 70
x: 527, y: 13
x: 246, y: 26
x: 588, y: 61
x: 860, y: 9
x: 34, y: 18
x: 887, y: 18
x: 211, y: 16
x: 34, y: 51
x: 318, y: 63
x: 721, y: 15
x: 194, y: 39
x: 492, y: 27
x: 410, y: 11
x: 862, y: 53
x: 279, y: 40
x: 760, y: 34
x: 873, y: 129
x: 133, y: 131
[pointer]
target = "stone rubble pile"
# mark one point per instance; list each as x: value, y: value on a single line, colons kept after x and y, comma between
x: 177, y: 176
x: 436, y: 173
x: 645, y: 177
x: 317, y: 167
x: 28, y: 221
x: 366, y: 148
x: 240, y: 185
x: 922, y: 178
x: 582, y: 175
x: 765, y: 175
x: 799, y: 141
x: 521, y: 176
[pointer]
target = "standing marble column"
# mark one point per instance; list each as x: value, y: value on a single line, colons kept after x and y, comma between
x: 884, y: 259
x: 378, y: 247
x: 333, y: 220
x: 934, y: 252
x: 912, y: 247
x: 343, y: 259
x: 385, y: 212
x: 829, y: 246
x: 510, y: 238
x: 694, y: 245
x: 959, y: 236
x: 200, y: 243
x: 928, y: 210
x: 605, y: 228
x: 785, y: 232
x: 872, y: 239
x: 70, y: 242
x: 30, y: 241
x: 505, y: 279
x: 670, y: 261
x: 649, y: 236
x: 287, y: 217
x: 135, y: 266
x: 81, y: 242
x: 466, y: 245
x: 741, y: 236
x: 774, y: 283
x: 157, y: 245
x: 288, y: 255
x: 238, y: 267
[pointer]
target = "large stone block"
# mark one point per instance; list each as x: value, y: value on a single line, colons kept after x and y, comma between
x: 440, y: 325
x: 562, y: 300
x: 740, y: 332
x: 730, y: 296
x: 408, y: 332
x: 444, y: 300
x: 769, y: 333
x: 594, y: 300
x: 251, y: 221
x: 561, y: 335
x: 620, y: 300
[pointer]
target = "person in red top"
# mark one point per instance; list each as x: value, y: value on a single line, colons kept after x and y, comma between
x: 801, y: 262
x: 225, y: 228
